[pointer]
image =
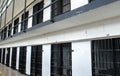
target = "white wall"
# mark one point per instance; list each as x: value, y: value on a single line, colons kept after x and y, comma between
x: 10, y: 57
x: 19, y: 26
x: 30, y: 19
x: 17, y: 59
x: 47, y: 12
x: 78, y: 3
x: 81, y: 59
x: 5, y: 55
x: 88, y: 31
x: 46, y: 60
x: 28, y: 60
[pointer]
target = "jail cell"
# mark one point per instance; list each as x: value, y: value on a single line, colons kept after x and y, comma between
x: 14, y: 55
x: 36, y: 60
x: 3, y: 56
x: 22, y: 59
x: 106, y: 57
x: 61, y: 60
x: 0, y: 54
x: 8, y: 57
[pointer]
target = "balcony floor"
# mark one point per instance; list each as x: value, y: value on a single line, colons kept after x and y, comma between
x: 6, y: 71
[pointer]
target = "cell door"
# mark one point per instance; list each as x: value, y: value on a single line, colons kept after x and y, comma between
x: 36, y: 61
x: 14, y: 55
x: 8, y: 57
x: 38, y: 18
x: 0, y: 54
x: 3, y: 56
x: 67, y: 59
x: 24, y: 20
x: 22, y: 60
x: 61, y: 63
x: 106, y: 57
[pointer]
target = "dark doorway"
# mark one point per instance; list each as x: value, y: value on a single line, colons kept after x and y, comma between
x: 106, y: 57
x: 24, y: 23
x: 8, y: 57
x: 61, y: 60
x: 16, y: 24
x: 36, y: 60
x: 0, y: 54
x: 38, y: 18
x: 3, y: 56
x: 14, y: 55
x: 22, y: 59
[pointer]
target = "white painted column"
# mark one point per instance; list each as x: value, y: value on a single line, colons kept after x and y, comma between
x: 17, y: 59
x: 5, y: 55
x: 47, y: 11
x: 78, y: 3
x: 28, y: 60
x: 10, y: 57
x: 30, y: 19
x: 81, y: 59
x: 19, y: 26
x: 12, y: 28
x: 46, y: 60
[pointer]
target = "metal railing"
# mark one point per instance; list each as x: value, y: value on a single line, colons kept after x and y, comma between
x: 25, y: 19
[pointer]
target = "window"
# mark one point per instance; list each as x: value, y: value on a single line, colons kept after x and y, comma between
x: 9, y: 30
x: 38, y: 18
x: 16, y: 23
x: 22, y: 59
x: 61, y: 63
x: 106, y: 57
x: 60, y: 7
x: 14, y: 55
x: 36, y: 61
x: 24, y: 23
x: 8, y: 57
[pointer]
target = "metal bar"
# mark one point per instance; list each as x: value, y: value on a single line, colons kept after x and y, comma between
x: 31, y: 15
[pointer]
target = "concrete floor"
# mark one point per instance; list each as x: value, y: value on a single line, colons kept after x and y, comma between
x: 6, y: 71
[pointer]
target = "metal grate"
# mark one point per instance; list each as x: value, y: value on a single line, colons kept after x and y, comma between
x: 3, y: 56
x: 22, y: 60
x: 8, y: 56
x: 24, y: 23
x: 36, y: 60
x: 0, y: 54
x: 61, y: 63
x: 60, y: 7
x: 9, y: 30
x: 38, y: 18
x: 106, y: 57
x: 16, y: 23
x: 14, y: 55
